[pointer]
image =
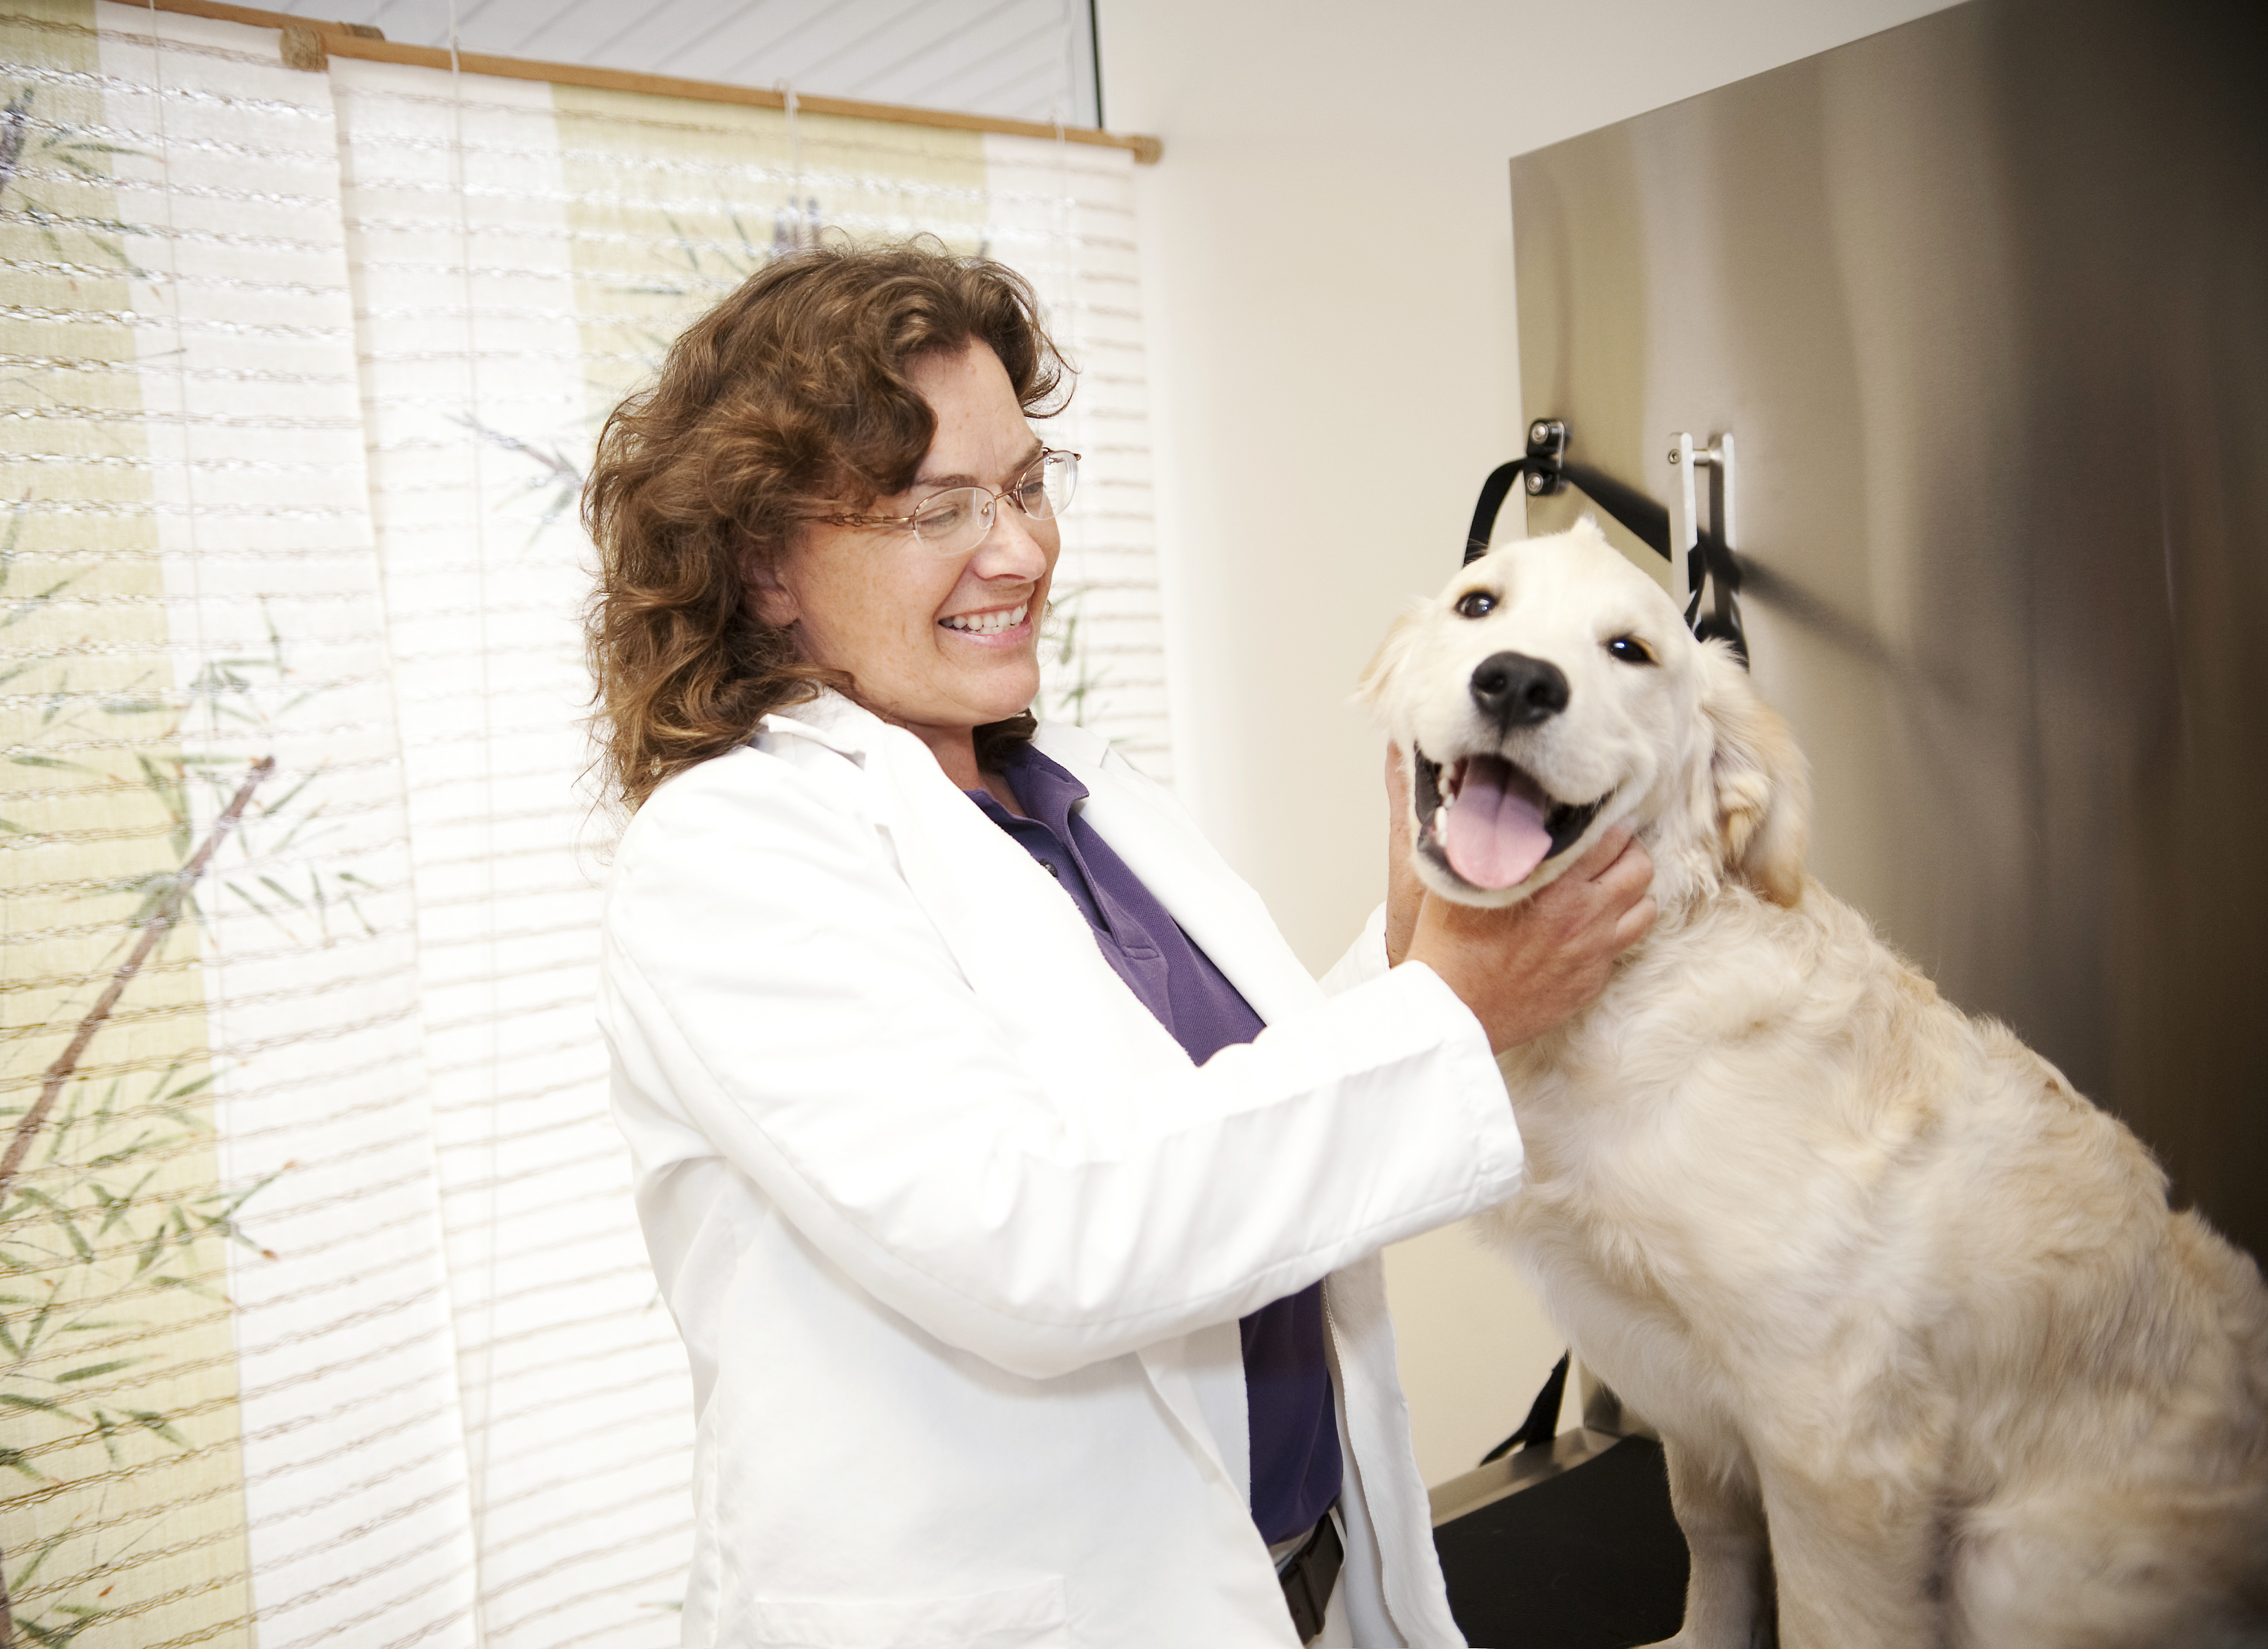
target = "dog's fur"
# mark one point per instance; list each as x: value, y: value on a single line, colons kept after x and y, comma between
x: 1928, y: 1351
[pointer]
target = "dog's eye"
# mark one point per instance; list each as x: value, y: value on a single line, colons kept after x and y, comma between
x: 1475, y: 603
x: 1630, y: 650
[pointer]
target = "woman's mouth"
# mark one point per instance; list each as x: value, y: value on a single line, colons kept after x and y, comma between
x: 992, y: 624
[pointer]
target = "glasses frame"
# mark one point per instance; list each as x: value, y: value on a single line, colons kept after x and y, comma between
x: 993, y: 501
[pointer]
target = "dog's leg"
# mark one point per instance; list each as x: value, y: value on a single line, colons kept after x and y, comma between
x: 1856, y: 1564
x: 1728, y: 1586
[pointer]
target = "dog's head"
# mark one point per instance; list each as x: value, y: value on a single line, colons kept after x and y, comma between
x: 1552, y: 690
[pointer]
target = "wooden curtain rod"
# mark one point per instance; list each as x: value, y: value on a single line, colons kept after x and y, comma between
x: 309, y: 43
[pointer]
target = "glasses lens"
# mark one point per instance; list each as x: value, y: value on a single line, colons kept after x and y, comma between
x: 1047, y: 486
x: 954, y: 521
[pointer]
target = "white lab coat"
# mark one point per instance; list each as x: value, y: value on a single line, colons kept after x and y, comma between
x: 958, y: 1237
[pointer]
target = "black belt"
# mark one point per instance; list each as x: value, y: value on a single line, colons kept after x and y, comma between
x: 1310, y: 1576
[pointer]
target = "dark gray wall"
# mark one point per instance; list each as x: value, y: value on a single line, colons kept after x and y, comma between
x: 1985, y: 299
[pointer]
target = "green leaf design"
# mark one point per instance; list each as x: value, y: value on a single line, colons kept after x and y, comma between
x: 95, y: 1370
x: 38, y: 1555
x: 150, y: 1420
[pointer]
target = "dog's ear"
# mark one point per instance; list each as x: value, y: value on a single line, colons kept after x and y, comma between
x: 1401, y: 636
x: 1760, y: 787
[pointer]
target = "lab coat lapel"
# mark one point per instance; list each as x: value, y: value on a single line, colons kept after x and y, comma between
x: 1203, y: 1374
x: 1022, y: 943
x: 1148, y: 829
x: 1030, y: 956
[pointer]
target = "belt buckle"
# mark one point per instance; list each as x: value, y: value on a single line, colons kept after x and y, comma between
x: 1310, y: 1577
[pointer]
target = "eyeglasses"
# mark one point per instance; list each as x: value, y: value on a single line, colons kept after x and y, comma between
x: 954, y: 522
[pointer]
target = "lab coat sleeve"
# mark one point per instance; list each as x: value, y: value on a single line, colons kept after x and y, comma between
x: 772, y: 987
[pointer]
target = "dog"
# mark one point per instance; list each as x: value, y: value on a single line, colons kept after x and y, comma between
x: 1933, y: 1362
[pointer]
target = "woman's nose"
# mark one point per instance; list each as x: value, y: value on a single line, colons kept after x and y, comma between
x: 1011, y: 549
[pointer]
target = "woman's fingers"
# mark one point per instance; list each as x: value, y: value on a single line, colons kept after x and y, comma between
x: 1527, y: 969
x: 1404, y: 892
x: 1631, y: 925
x: 1627, y: 880
x: 1599, y: 888
x: 1602, y: 854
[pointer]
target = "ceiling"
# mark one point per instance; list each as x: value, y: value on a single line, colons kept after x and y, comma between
x: 1022, y: 59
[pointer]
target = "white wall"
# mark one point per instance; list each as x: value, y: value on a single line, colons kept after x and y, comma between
x: 1327, y: 274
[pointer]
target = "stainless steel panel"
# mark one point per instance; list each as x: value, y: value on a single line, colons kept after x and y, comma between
x: 1508, y: 1473
x: 1985, y: 299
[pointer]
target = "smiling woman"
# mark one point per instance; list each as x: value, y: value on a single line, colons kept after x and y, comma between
x: 722, y: 500
x: 1017, y: 1193
x: 938, y: 625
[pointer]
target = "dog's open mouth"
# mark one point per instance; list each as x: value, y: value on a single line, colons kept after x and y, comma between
x: 1489, y: 823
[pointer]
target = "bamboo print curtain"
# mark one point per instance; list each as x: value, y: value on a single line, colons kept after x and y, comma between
x: 325, y: 1314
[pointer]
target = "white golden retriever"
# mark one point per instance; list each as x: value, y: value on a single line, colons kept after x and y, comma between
x: 1930, y: 1355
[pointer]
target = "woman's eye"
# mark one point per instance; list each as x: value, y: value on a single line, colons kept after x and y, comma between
x: 1475, y: 603
x: 940, y: 520
x: 1630, y: 650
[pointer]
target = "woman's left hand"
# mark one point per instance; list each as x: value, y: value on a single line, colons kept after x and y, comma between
x: 1404, y: 892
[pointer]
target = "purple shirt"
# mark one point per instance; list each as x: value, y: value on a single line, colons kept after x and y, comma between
x: 1287, y: 1383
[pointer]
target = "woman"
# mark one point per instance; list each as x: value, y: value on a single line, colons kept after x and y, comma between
x: 996, y: 1225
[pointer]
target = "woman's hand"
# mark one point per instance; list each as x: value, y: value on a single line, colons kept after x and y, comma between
x: 1524, y: 968
x: 1404, y: 892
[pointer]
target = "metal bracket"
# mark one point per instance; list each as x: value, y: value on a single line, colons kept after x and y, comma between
x: 1690, y: 568
x: 1547, y: 447
x: 1693, y: 565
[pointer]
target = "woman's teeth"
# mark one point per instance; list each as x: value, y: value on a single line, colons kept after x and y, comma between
x: 987, y: 623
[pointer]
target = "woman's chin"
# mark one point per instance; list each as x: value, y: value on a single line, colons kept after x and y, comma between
x: 1006, y: 709
x: 1006, y: 692
x: 994, y: 697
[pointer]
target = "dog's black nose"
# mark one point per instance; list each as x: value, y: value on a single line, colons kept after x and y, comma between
x: 1514, y: 690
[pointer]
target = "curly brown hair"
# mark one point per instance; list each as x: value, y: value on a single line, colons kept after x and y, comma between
x: 786, y: 402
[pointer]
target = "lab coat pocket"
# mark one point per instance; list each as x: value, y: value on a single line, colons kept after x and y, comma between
x: 1018, y: 1617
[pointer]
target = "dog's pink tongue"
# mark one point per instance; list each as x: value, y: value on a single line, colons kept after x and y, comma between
x: 1494, y: 836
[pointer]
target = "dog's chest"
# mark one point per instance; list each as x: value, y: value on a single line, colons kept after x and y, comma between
x: 1693, y: 1177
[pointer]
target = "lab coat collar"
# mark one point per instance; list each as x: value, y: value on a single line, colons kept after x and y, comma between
x: 1145, y: 825
x: 830, y: 720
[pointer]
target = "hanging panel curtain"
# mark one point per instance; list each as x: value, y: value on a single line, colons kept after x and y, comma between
x: 197, y: 1432
x: 327, y: 1316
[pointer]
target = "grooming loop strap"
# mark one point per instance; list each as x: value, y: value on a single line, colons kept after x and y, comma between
x: 1708, y: 561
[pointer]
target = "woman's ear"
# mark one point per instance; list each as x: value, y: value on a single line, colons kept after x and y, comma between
x: 1759, y: 784
x: 769, y: 596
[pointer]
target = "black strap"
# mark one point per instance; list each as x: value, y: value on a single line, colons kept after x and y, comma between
x: 1543, y: 1422
x: 1710, y: 563
x: 1310, y: 1576
x: 1494, y: 490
